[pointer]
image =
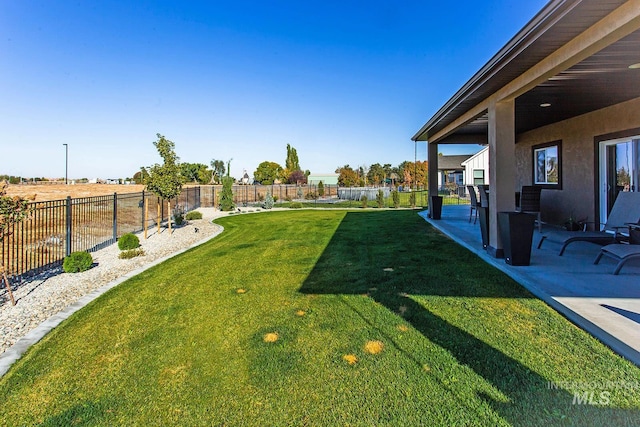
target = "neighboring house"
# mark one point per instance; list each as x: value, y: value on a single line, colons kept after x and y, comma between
x: 245, y: 179
x: 450, y: 169
x: 476, y: 168
x: 326, y: 178
x: 558, y: 107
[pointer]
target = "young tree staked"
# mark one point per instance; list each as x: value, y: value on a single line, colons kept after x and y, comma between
x: 165, y: 181
x: 13, y: 210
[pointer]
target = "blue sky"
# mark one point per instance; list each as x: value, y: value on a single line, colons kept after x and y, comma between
x: 343, y: 82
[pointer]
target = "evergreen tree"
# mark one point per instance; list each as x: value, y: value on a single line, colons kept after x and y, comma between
x: 320, y: 189
x: 226, y: 198
x: 292, y: 163
x: 380, y: 198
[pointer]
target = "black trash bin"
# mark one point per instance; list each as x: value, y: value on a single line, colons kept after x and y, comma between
x: 435, y: 207
x: 516, y: 231
x: 483, y: 216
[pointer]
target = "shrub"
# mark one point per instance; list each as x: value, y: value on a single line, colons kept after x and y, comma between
x: 77, y: 262
x: 193, y: 215
x: 128, y: 241
x: 268, y: 201
x: 412, y: 199
x: 178, y: 217
x: 320, y: 189
x: 311, y: 195
x: 395, y: 196
x: 296, y: 205
x: 299, y: 193
x: 380, y: 198
x: 364, y: 201
x: 275, y: 198
x: 131, y: 253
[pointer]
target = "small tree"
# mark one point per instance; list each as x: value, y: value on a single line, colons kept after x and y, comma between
x: 268, y: 201
x: 412, y: 199
x: 320, y: 189
x: 165, y: 181
x: 380, y: 198
x: 395, y: 196
x: 364, y: 200
x: 226, y: 198
x: 299, y: 193
x: 13, y: 210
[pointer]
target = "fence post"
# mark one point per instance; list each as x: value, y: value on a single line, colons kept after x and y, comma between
x: 115, y: 217
x: 142, y: 210
x: 68, y: 222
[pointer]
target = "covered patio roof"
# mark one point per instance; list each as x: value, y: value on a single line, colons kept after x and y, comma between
x: 577, y: 56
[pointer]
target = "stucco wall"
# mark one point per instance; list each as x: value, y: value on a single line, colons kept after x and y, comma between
x: 578, y: 158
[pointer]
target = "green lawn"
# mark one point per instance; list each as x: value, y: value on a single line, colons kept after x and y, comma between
x: 320, y: 318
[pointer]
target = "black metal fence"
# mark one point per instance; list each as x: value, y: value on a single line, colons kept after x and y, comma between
x: 60, y: 227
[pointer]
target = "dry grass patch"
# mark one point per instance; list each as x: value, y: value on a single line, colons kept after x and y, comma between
x: 374, y: 347
x: 271, y: 337
x: 351, y: 359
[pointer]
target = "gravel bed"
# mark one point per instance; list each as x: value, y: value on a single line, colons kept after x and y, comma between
x: 50, y: 293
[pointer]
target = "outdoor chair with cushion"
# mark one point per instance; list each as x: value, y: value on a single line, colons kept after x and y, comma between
x: 625, y: 211
x: 621, y: 252
x: 530, y: 202
x: 474, y: 202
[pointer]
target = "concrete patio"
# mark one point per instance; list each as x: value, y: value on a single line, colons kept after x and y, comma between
x: 606, y: 306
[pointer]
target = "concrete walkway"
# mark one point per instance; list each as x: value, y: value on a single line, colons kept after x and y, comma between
x: 604, y: 305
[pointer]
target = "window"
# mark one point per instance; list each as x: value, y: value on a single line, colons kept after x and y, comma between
x: 478, y: 177
x: 547, y: 164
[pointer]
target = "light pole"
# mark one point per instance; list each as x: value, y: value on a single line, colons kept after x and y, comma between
x: 66, y: 163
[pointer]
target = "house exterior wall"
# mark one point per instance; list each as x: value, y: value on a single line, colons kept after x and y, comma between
x: 579, y: 159
x: 479, y: 161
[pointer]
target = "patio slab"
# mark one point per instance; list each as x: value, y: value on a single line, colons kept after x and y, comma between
x: 604, y: 305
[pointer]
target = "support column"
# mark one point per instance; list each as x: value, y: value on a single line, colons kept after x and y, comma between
x: 432, y: 158
x: 502, y: 168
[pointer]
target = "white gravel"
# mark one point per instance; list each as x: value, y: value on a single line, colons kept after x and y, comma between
x: 47, y: 295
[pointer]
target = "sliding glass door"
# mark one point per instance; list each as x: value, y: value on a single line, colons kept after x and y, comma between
x: 619, y: 171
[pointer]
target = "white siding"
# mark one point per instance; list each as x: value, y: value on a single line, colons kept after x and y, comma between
x: 479, y: 161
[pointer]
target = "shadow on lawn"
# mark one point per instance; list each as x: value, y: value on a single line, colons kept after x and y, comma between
x: 426, y: 263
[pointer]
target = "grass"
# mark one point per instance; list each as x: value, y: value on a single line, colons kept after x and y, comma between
x: 319, y: 318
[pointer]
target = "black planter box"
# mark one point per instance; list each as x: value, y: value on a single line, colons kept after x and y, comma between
x: 516, y: 231
x: 483, y: 215
x: 435, y: 207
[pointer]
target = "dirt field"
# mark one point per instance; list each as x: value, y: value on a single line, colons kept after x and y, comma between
x: 47, y: 192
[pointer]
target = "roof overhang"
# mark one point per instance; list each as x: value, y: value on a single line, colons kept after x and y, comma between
x: 574, y: 55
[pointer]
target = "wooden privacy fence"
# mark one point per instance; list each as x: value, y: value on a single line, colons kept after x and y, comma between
x: 60, y: 227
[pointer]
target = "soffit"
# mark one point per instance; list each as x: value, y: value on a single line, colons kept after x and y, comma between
x: 554, y: 26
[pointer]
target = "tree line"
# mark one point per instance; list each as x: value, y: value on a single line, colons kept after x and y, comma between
x: 408, y: 174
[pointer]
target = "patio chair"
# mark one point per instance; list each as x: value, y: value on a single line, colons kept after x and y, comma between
x: 620, y: 252
x: 474, y: 202
x: 625, y: 211
x: 530, y: 202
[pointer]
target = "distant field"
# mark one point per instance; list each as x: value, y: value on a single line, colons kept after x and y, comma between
x: 47, y: 192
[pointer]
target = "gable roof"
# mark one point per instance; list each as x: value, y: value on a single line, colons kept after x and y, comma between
x: 478, y: 154
x: 452, y: 162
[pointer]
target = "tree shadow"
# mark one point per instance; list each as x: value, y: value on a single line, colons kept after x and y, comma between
x: 367, y: 247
